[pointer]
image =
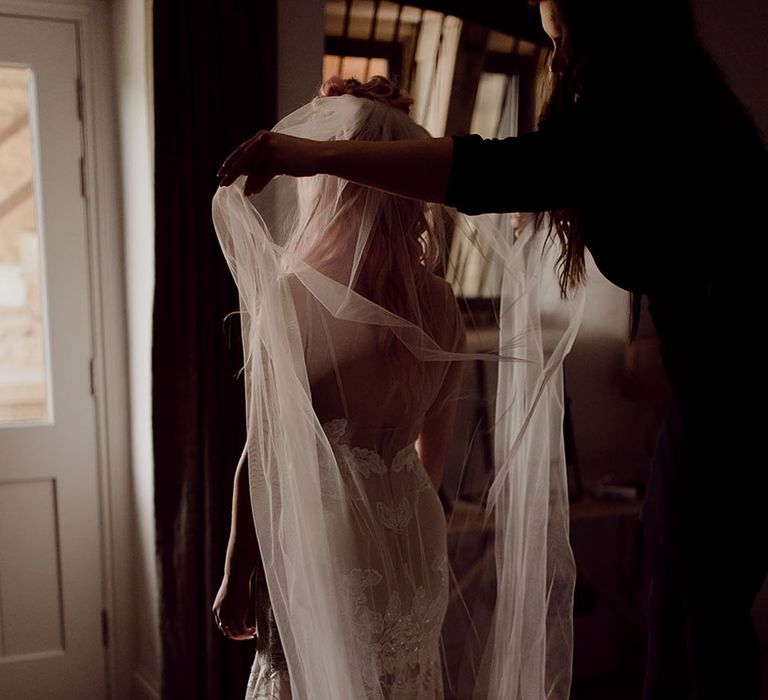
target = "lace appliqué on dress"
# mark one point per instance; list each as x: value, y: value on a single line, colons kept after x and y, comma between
x: 402, y: 631
x: 367, y: 462
x: 403, y: 643
x: 396, y: 620
x: 266, y: 682
x: 395, y: 517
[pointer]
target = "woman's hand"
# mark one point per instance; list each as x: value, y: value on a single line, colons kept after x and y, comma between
x: 266, y: 155
x: 231, y: 607
x: 415, y: 168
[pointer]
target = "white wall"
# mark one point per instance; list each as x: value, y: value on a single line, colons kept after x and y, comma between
x: 133, y: 71
x: 301, y: 37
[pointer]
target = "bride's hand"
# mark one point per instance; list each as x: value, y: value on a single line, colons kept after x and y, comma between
x: 231, y: 607
x: 268, y: 154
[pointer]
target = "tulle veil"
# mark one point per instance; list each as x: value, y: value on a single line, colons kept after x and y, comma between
x: 315, y: 285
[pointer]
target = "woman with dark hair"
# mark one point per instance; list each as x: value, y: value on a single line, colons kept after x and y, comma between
x: 645, y: 157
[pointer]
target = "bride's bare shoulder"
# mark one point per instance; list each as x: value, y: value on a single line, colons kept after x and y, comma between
x: 440, y: 290
x: 444, y: 305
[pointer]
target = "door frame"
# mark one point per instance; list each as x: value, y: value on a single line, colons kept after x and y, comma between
x: 92, y: 21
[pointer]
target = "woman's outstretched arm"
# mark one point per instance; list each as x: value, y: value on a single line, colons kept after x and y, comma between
x: 541, y: 171
x: 418, y: 168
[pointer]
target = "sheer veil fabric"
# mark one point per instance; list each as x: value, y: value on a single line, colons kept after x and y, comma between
x: 352, y: 345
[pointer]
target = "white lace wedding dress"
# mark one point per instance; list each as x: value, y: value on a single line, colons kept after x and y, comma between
x: 396, y: 591
x: 398, y: 622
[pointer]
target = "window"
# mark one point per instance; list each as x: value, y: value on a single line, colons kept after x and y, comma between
x: 24, y: 386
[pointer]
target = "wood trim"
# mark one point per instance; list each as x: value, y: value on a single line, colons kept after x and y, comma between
x: 143, y: 689
x: 110, y: 339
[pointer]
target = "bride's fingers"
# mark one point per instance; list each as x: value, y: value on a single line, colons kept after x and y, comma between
x: 242, y: 634
x: 238, y: 631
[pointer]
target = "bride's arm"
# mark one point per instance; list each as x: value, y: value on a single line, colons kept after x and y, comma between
x: 230, y: 608
x: 242, y: 549
x: 437, y: 429
x: 418, y: 168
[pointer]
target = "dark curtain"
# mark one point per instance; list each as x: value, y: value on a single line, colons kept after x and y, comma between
x: 214, y: 84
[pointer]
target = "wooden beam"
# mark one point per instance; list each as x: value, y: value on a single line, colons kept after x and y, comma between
x: 470, y: 62
x: 367, y: 48
x: 13, y: 128
x: 16, y: 198
x: 526, y: 115
x: 513, y: 17
x: 524, y: 67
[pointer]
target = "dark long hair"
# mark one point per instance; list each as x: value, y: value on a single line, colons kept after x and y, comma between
x: 601, y: 58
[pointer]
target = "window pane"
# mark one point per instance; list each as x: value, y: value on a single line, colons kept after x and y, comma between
x: 357, y: 67
x: 24, y: 394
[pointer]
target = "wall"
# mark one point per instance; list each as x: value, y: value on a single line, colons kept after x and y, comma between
x: 300, y: 26
x: 133, y: 70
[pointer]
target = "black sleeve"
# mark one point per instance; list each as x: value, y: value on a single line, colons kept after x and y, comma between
x: 541, y: 171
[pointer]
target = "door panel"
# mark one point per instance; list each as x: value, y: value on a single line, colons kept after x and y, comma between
x: 50, y: 557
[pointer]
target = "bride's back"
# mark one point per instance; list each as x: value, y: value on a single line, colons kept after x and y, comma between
x: 362, y: 373
x: 377, y: 325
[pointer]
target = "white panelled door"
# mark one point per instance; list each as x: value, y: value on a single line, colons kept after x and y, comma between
x: 51, y: 637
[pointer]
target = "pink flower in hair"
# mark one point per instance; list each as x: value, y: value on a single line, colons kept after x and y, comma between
x: 403, y: 102
x: 333, y: 87
x: 378, y: 88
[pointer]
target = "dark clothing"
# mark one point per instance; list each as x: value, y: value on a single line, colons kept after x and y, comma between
x: 699, y: 607
x: 669, y: 183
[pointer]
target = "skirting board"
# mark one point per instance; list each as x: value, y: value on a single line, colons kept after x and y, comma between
x: 143, y: 689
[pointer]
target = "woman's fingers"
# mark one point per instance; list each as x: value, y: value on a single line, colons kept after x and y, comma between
x: 256, y: 183
x: 246, y: 159
x: 267, y: 155
x: 237, y: 153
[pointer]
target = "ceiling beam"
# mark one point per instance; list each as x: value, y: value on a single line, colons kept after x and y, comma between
x: 514, y: 17
x: 470, y: 60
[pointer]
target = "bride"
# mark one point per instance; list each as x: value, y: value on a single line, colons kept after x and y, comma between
x: 354, y: 349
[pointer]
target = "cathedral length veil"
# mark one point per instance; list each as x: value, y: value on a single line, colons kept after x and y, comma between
x: 355, y: 579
